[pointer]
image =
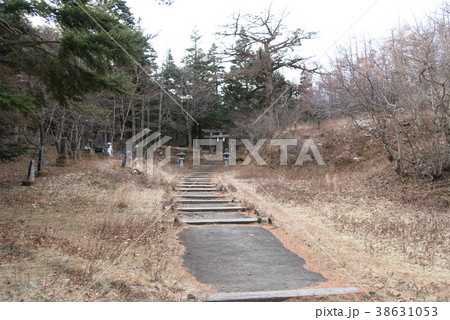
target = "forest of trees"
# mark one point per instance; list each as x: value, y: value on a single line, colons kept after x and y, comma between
x: 398, y: 89
x: 91, y: 67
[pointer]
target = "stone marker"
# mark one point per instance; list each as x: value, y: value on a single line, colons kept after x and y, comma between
x: 100, y: 141
x: 88, y: 150
x: 31, y: 175
x: 109, y: 149
x: 62, y: 159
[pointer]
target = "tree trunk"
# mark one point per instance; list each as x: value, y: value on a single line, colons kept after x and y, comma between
x: 161, y: 94
x: 74, y: 142
x: 143, y: 114
x: 62, y: 159
x: 59, y: 134
x: 269, y: 87
x: 79, y: 146
x: 447, y: 136
x: 189, y: 132
x: 41, y: 159
x: 133, y: 121
x: 385, y: 139
x: 113, y: 125
x: 399, y: 159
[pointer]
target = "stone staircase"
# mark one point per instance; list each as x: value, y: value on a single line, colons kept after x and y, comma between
x: 233, y: 252
x: 199, y: 201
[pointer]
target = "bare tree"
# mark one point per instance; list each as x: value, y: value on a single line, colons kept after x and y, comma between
x: 272, y: 48
x: 403, y: 85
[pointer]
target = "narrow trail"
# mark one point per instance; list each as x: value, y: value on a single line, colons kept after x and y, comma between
x: 228, y: 249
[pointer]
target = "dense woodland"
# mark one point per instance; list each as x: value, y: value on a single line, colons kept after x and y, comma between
x: 91, y: 67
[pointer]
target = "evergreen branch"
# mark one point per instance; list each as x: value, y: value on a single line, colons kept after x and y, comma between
x: 29, y: 43
x: 5, y: 25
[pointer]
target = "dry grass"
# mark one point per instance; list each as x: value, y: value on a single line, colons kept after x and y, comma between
x: 59, y: 235
x: 420, y: 232
x: 388, y: 232
x: 390, y: 235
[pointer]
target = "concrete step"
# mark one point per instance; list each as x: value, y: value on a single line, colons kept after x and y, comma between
x: 200, y: 196
x: 277, y: 295
x: 194, y: 183
x: 209, y: 208
x: 196, y: 178
x: 219, y: 221
x: 200, y: 173
x: 197, y: 173
x: 210, y: 165
x: 196, y: 189
x: 196, y: 186
x: 205, y: 201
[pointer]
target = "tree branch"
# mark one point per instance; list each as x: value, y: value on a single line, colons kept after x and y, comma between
x: 29, y: 43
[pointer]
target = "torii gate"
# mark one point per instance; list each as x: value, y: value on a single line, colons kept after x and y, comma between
x: 215, y: 134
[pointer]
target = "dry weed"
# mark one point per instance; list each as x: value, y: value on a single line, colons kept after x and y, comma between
x: 400, y: 219
x: 60, y: 234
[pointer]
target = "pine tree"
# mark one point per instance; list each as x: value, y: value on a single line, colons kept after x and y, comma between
x: 79, y: 59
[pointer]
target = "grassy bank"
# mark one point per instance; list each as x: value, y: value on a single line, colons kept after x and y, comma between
x: 92, y: 231
x: 355, y: 219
